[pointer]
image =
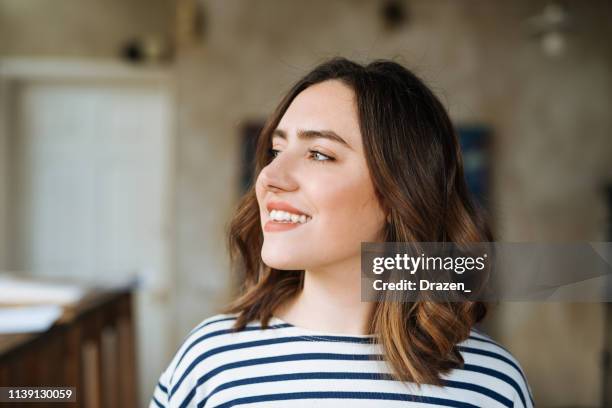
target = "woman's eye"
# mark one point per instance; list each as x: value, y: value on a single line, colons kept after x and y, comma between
x: 318, y: 156
x: 314, y: 155
x: 273, y: 152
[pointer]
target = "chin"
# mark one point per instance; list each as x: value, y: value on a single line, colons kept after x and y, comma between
x: 281, y: 264
x: 281, y: 260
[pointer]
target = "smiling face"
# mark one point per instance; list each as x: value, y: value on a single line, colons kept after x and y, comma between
x: 320, y: 176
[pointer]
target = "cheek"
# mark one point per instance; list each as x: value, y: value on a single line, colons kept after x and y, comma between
x: 350, y: 209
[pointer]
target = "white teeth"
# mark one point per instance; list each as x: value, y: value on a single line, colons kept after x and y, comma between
x: 284, y: 216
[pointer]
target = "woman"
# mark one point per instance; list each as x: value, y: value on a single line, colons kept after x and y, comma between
x: 352, y: 154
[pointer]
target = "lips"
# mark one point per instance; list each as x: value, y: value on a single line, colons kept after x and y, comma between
x: 273, y: 226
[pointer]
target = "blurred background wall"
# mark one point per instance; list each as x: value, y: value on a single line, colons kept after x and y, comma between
x: 549, y: 112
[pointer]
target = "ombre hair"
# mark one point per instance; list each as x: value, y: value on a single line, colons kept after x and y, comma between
x: 415, y: 163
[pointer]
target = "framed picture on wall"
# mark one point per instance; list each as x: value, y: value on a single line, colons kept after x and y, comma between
x: 475, y: 146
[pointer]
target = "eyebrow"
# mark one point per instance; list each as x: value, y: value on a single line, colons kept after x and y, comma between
x: 314, y: 134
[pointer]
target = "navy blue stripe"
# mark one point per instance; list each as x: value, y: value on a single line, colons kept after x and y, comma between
x: 159, y: 404
x: 219, y: 333
x: 201, y: 326
x: 256, y: 343
x: 492, y: 343
x: 275, y: 359
x: 349, y: 375
x: 497, y: 374
x: 161, y: 387
x: 297, y: 376
x: 347, y: 395
x: 226, y: 331
x: 490, y: 354
x: 481, y: 390
x: 345, y: 339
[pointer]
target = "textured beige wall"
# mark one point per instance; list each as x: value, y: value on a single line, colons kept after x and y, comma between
x: 92, y: 28
x: 552, y: 147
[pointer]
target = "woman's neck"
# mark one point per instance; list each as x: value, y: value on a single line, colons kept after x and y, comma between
x: 330, y: 301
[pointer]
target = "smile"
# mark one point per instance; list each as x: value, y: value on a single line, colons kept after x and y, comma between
x: 287, y: 217
x: 284, y: 216
x: 284, y: 221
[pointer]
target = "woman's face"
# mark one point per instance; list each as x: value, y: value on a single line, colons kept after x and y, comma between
x: 316, y: 199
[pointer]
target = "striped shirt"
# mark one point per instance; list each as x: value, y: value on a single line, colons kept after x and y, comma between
x: 286, y: 365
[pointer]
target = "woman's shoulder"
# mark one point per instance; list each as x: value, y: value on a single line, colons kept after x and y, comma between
x: 177, y: 381
x: 203, y: 337
x: 490, y: 366
x: 203, y: 351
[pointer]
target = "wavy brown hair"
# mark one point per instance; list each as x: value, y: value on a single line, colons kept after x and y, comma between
x: 415, y: 164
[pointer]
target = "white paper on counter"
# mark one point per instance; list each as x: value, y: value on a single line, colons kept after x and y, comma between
x: 15, y: 291
x: 28, y: 319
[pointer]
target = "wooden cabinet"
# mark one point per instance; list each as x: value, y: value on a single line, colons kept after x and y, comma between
x: 90, y: 348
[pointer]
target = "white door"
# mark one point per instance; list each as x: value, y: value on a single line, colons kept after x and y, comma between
x: 90, y: 194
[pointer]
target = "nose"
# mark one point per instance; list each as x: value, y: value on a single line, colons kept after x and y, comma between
x: 278, y: 176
